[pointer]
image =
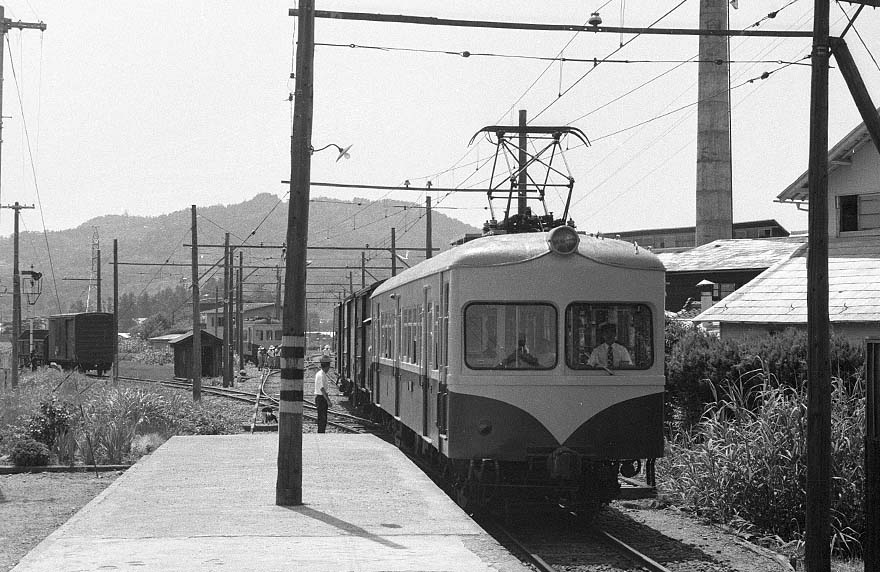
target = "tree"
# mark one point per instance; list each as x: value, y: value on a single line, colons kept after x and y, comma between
x: 155, y: 325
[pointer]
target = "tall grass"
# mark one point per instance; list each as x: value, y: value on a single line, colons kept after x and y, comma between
x: 745, y: 462
x: 105, y: 420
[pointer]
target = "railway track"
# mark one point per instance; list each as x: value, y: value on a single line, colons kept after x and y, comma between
x: 341, y: 420
x: 592, y: 548
x: 553, y: 540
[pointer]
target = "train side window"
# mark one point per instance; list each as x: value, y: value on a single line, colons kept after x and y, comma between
x: 510, y: 336
x: 585, y: 323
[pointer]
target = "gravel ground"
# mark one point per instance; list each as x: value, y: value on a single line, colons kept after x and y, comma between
x: 713, y: 543
x: 33, y: 505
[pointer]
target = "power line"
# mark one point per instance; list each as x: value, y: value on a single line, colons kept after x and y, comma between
x: 587, y: 60
x: 852, y: 22
x: 588, y: 72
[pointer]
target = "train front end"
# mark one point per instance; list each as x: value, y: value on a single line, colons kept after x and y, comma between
x: 557, y: 390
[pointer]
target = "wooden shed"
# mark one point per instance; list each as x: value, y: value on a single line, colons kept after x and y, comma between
x: 212, y: 355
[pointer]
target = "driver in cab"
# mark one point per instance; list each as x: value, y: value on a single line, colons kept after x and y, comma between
x: 609, y: 354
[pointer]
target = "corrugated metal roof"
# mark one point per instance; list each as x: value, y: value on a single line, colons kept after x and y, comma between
x: 732, y: 254
x: 779, y: 294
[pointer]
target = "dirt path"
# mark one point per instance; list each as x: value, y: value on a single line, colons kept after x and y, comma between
x: 32, y: 506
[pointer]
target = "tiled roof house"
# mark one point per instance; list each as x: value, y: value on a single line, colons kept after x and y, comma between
x: 777, y: 298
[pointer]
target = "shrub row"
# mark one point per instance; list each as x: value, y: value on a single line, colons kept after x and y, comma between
x: 100, y: 423
x: 701, y: 366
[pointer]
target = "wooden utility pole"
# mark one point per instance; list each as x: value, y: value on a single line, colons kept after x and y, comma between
x: 216, y: 307
x: 871, y: 538
x: 277, y: 292
x: 817, y: 556
x: 16, y: 286
x: 227, y: 315
x: 99, y: 305
x: 288, y: 486
x: 363, y: 269
x: 5, y: 25
x: 393, y: 252
x: 429, y: 247
x: 116, y: 310
x: 196, y: 313
x: 239, y: 314
x: 522, y: 184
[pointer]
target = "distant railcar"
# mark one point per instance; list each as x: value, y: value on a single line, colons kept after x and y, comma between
x: 354, y: 339
x: 84, y: 341
x: 32, y: 348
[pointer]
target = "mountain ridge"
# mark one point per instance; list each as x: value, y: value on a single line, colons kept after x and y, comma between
x: 152, y: 256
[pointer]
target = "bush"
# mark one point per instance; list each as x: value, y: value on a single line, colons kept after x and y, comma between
x: 52, y: 422
x: 29, y: 453
x: 112, y: 420
x: 701, y: 365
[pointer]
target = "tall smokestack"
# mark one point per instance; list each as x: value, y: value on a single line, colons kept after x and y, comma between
x: 714, y: 172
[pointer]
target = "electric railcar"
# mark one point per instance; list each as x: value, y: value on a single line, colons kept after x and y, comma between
x: 480, y: 358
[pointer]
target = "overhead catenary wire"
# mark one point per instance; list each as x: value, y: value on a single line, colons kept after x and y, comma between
x: 562, y: 59
x: 770, y: 15
x: 588, y: 72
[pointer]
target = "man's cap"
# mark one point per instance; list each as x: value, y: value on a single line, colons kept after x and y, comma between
x: 325, y: 359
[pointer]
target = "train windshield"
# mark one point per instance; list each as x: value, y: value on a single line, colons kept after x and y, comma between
x: 608, y: 336
x: 510, y: 336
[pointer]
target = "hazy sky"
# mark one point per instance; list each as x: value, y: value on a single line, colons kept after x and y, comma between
x: 149, y: 107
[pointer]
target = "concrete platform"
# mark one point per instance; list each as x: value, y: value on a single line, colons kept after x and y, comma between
x: 208, y: 503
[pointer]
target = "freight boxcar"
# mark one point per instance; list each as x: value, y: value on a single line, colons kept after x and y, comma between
x: 84, y: 341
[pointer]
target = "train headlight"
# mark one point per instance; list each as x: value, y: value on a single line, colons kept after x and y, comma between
x: 485, y: 427
x: 629, y: 469
x: 563, y: 240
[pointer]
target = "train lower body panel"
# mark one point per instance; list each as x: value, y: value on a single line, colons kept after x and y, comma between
x: 563, y: 443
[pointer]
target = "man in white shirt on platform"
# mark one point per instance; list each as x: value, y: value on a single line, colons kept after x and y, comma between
x: 322, y: 398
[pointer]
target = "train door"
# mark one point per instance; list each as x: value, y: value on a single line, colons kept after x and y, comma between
x: 356, y: 349
x: 426, y: 355
x: 378, y: 347
x: 397, y: 351
x: 349, y: 338
x: 443, y: 353
x: 337, y: 344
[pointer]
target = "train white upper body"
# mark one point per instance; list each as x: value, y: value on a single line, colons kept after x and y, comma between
x: 487, y: 346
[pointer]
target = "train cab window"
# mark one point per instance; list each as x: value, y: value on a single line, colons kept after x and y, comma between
x: 510, y: 336
x: 608, y: 336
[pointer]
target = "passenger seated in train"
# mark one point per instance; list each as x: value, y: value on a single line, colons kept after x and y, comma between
x: 609, y: 354
x: 521, y: 356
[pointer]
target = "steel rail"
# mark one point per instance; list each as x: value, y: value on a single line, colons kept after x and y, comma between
x: 532, y: 558
x: 641, y: 559
x: 251, y: 399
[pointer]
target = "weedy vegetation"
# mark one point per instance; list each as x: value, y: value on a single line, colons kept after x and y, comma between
x: 737, y: 435
x: 81, y: 419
